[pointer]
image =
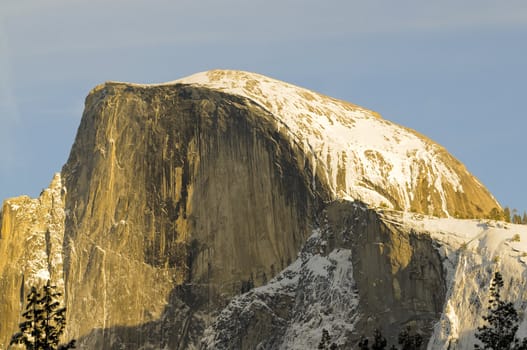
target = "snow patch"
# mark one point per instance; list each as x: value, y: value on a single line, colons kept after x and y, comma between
x: 14, y: 207
x: 321, y: 293
x: 42, y: 274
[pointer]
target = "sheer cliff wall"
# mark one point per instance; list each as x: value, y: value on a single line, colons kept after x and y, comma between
x: 176, y: 186
x: 400, y: 277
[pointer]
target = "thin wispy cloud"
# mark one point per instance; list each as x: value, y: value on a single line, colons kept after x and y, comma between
x: 136, y: 23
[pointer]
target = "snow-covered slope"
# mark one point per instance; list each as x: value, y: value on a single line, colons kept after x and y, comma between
x: 359, y: 154
x: 473, y: 250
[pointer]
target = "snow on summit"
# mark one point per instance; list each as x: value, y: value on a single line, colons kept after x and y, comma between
x: 359, y: 154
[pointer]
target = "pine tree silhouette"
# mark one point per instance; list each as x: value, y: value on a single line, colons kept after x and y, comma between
x: 502, y: 321
x: 44, y: 321
x: 379, y: 341
x: 325, y: 341
x: 409, y: 341
x: 406, y: 339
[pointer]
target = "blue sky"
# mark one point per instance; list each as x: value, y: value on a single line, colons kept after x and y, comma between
x: 455, y: 71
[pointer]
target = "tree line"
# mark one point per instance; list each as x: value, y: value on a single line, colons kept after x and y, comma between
x: 508, y: 215
x: 45, y: 322
x: 514, y: 216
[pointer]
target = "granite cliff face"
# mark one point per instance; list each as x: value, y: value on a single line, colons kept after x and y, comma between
x: 177, y: 172
x: 178, y: 198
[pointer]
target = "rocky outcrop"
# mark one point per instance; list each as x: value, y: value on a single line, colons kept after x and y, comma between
x: 357, y: 274
x: 30, y: 251
x: 178, y: 197
x: 399, y: 273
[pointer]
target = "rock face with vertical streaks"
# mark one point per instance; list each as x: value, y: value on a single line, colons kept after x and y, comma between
x: 177, y: 172
x: 31, y: 251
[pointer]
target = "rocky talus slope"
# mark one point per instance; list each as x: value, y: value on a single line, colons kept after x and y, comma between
x: 229, y: 210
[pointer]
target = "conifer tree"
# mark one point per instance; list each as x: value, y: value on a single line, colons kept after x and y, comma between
x: 30, y: 334
x: 379, y: 342
x: 495, y: 214
x: 409, y: 341
x: 406, y: 339
x: 501, y: 321
x: 507, y: 214
x: 325, y: 341
x: 44, y: 321
x: 363, y: 343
